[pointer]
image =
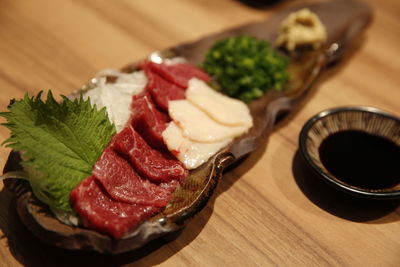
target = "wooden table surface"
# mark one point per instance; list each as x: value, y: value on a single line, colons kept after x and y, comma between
x: 270, y: 210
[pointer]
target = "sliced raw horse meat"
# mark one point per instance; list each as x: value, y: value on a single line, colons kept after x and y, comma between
x: 163, y: 90
x: 148, y: 120
x: 124, y: 184
x: 148, y: 162
x: 100, y: 212
x: 136, y: 174
x: 179, y: 73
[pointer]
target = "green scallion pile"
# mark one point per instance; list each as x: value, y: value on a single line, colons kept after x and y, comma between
x: 245, y: 67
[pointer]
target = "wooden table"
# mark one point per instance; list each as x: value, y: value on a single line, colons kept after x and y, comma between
x: 270, y: 210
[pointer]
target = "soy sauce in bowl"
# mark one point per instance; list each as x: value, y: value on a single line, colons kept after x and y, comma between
x: 361, y: 159
x: 355, y: 149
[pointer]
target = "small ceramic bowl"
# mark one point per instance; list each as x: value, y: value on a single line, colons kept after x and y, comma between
x: 366, y: 119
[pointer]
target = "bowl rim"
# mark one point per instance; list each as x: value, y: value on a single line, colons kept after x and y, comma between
x: 394, y: 194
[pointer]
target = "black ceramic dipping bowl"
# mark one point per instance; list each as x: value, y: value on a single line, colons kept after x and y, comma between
x: 366, y: 121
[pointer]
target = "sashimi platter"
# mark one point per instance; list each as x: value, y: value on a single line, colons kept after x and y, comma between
x: 137, y: 152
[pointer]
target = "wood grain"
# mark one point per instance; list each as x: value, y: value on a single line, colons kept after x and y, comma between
x: 269, y: 210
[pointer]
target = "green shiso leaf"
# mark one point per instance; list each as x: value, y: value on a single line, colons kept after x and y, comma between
x: 59, y: 143
x: 245, y: 67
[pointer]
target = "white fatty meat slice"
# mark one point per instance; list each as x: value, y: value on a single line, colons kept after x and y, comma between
x: 117, y: 97
x: 198, y: 126
x: 192, y: 154
x: 223, y: 109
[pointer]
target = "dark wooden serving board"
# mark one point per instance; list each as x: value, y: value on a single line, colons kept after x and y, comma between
x: 345, y: 20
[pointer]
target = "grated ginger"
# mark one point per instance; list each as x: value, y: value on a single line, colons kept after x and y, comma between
x: 301, y: 28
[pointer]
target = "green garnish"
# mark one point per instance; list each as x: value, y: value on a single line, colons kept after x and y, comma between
x: 245, y: 67
x: 59, y: 143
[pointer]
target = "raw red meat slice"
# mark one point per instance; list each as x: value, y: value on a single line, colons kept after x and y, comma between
x: 123, y: 184
x: 102, y: 213
x: 149, y: 163
x: 115, y: 199
x: 163, y: 90
x: 180, y: 73
x: 148, y: 120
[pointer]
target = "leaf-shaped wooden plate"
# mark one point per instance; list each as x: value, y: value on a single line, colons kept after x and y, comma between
x: 344, y: 20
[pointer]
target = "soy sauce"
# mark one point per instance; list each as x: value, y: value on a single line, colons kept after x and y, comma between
x: 361, y: 159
